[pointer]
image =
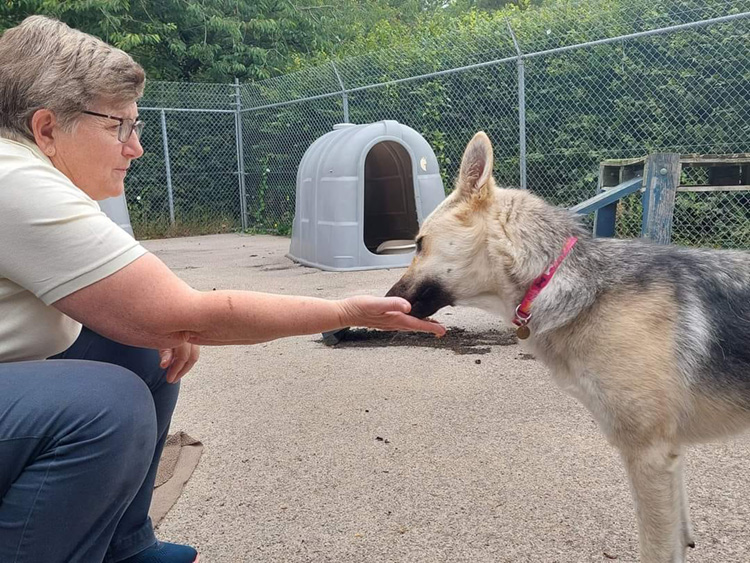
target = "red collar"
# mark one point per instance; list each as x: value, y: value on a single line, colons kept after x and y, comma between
x: 523, y: 311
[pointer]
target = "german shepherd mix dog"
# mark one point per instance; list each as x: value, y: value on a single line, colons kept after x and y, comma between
x: 653, y: 340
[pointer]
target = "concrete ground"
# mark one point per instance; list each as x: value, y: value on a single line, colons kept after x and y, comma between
x: 410, y: 453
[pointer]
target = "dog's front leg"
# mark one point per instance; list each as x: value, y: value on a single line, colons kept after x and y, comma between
x: 686, y: 528
x: 654, y: 479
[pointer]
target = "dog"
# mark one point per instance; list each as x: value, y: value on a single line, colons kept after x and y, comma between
x: 653, y: 339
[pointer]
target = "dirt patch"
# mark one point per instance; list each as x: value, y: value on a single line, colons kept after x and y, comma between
x: 459, y: 340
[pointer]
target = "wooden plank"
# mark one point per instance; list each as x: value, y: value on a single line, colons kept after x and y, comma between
x: 604, y: 223
x: 612, y: 176
x: 689, y: 158
x: 608, y: 196
x: 623, y: 161
x: 741, y: 188
x: 605, y: 219
x: 715, y: 159
x: 661, y: 178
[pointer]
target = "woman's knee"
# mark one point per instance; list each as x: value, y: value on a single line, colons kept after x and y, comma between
x: 94, y: 420
x: 117, y: 410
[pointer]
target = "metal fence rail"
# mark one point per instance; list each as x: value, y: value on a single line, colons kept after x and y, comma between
x: 557, y: 94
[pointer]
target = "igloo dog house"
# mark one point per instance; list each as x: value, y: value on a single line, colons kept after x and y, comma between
x: 362, y: 193
x: 116, y: 208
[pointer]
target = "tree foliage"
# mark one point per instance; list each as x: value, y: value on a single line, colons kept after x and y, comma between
x: 217, y: 40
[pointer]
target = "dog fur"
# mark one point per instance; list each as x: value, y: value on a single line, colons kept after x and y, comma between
x: 653, y: 340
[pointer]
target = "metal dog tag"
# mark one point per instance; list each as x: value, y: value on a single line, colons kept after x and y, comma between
x: 523, y: 332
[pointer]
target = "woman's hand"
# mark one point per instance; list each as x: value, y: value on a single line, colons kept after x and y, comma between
x: 385, y: 313
x: 179, y: 360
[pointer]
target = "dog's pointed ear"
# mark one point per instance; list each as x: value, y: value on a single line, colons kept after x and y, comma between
x: 475, y: 175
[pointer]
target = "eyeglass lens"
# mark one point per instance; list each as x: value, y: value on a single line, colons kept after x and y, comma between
x: 126, y: 130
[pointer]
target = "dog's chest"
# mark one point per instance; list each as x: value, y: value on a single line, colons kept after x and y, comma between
x: 584, y: 386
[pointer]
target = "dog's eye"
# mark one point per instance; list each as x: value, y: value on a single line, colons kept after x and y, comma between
x: 419, y: 244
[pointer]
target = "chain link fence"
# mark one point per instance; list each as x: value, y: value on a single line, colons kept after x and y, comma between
x: 558, y: 93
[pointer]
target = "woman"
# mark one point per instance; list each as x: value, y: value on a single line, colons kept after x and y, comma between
x: 84, y: 412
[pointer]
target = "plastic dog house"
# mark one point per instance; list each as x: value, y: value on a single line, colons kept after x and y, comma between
x: 362, y: 193
x: 116, y: 208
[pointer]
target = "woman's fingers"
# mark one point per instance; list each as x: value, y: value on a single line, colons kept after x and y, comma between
x: 186, y: 355
x: 401, y: 321
x: 395, y: 304
x: 385, y: 313
x: 190, y: 362
x: 165, y: 357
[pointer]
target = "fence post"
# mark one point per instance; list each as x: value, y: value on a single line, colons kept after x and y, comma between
x: 605, y: 217
x: 240, y: 152
x: 661, y: 176
x: 521, y: 109
x: 167, y: 167
x: 344, y: 95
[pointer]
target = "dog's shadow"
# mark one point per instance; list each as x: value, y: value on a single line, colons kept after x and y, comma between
x: 459, y: 340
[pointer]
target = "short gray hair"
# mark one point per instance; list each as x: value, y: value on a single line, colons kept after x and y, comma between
x: 46, y: 64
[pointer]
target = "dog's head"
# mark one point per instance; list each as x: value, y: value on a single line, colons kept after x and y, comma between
x: 452, y: 262
x: 483, y: 246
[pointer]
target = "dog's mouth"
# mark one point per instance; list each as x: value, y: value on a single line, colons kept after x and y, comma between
x: 426, y: 299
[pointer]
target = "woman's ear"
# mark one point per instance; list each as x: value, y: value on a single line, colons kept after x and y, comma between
x: 44, y: 126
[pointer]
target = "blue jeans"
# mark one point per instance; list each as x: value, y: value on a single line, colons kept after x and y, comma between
x: 81, y: 435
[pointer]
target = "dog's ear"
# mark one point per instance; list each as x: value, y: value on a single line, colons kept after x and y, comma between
x: 475, y: 175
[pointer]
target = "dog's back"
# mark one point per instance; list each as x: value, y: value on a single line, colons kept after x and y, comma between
x: 712, y: 292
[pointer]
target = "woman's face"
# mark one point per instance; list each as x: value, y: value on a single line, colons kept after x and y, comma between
x: 91, y: 155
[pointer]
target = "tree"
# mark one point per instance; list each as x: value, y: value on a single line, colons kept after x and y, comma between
x: 218, y: 40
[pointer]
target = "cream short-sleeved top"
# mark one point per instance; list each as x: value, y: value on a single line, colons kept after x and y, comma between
x: 54, y: 240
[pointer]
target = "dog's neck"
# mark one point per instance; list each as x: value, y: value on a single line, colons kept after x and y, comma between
x: 523, y: 313
x: 524, y: 237
x: 568, y: 293
x: 521, y: 262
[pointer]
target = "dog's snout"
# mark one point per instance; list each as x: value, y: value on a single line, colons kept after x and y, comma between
x: 399, y: 289
x: 426, y: 297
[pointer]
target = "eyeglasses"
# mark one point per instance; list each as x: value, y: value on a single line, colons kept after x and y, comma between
x: 127, y: 126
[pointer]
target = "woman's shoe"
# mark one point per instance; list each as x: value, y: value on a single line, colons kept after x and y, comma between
x: 163, y: 552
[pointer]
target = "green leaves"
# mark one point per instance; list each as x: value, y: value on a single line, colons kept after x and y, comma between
x: 197, y: 41
x: 129, y: 41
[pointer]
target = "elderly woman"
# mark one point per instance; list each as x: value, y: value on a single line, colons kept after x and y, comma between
x: 84, y: 412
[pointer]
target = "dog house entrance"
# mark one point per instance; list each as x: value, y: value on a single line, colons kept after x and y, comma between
x: 390, y: 213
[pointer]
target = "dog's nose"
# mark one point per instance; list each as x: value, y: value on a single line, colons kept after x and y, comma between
x: 399, y: 289
x: 426, y: 297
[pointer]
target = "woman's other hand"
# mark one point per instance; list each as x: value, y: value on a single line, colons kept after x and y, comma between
x: 179, y: 360
x: 385, y: 313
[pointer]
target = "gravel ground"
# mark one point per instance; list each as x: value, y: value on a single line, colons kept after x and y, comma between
x: 403, y: 448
